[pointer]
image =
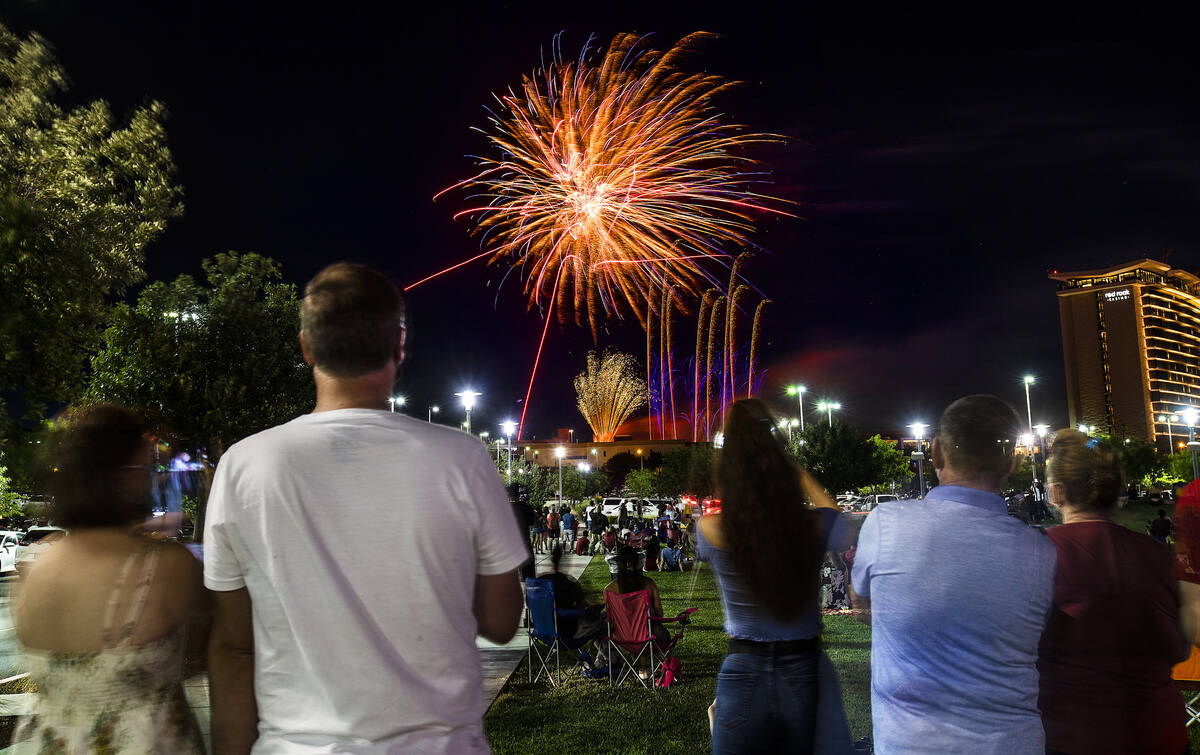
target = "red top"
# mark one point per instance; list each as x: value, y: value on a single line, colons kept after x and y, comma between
x: 1187, y: 534
x: 1110, y: 643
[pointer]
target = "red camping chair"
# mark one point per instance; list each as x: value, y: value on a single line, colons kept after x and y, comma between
x: 631, y: 637
x: 1187, y: 678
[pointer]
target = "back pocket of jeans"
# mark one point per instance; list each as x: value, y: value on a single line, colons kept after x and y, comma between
x: 735, y: 693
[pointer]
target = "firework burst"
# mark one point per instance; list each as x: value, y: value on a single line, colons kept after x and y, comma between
x: 615, y: 180
x: 609, y: 391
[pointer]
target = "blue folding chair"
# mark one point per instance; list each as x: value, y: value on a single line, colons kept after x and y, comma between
x: 546, y: 645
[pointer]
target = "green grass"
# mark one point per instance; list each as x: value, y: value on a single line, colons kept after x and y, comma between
x: 588, y: 716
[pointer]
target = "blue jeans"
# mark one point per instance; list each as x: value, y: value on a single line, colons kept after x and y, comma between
x: 766, y: 704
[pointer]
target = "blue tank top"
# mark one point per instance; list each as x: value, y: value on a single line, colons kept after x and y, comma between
x: 744, y: 618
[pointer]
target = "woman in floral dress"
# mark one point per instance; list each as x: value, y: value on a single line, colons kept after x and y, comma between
x: 104, y: 613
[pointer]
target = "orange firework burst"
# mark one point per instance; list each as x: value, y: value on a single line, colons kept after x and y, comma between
x: 615, y: 180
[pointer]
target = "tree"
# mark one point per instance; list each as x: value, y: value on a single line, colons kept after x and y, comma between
x: 620, y: 465
x: 10, y: 502
x: 210, y: 363
x: 80, y: 198
x: 891, y: 464
x: 836, y: 455
x: 686, y: 470
x: 608, y: 391
x: 641, y: 483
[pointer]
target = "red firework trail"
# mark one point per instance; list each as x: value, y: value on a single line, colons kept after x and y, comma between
x: 452, y: 267
x: 537, y: 359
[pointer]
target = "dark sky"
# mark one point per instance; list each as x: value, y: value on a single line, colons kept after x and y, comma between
x: 942, y: 164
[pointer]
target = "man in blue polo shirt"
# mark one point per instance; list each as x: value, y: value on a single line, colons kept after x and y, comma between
x: 959, y: 593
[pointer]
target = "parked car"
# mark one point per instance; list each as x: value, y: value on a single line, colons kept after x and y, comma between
x: 710, y: 506
x: 33, y: 542
x: 611, y: 507
x: 8, y: 551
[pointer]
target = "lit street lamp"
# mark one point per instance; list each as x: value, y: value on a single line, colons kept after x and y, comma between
x: 829, y: 407
x: 1086, y: 429
x: 1029, y: 380
x: 468, y: 402
x: 918, y: 430
x: 1191, y: 416
x: 508, y: 426
x: 560, y: 452
x: 585, y: 468
x: 432, y: 411
x: 1041, y: 431
x: 641, y: 459
x: 572, y: 435
x: 396, y: 401
x: 798, y: 392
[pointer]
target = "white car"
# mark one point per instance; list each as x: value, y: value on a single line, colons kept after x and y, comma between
x: 33, y: 542
x: 8, y: 552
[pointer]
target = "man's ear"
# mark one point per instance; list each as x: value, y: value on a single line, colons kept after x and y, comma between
x: 304, y: 350
x: 400, y: 341
x: 936, y: 455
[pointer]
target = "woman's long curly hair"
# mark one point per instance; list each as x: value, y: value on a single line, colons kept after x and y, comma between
x: 774, y: 539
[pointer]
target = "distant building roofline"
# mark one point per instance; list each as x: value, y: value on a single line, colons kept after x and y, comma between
x: 1145, y: 263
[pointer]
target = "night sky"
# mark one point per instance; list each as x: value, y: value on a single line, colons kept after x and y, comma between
x: 941, y: 163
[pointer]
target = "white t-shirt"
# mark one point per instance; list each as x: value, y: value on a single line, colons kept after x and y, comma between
x: 359, y: 534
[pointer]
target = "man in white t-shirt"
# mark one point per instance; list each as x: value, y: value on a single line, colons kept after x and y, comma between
x: 355, y: 554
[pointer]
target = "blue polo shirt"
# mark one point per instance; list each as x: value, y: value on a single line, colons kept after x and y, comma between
x: 960, y: 593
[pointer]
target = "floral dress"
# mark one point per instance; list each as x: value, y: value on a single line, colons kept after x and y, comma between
x: 122, y: 699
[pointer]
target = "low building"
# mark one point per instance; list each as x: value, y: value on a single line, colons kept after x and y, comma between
x: 597, y: 455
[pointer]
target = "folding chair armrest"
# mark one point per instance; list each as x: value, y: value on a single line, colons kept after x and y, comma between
x: 684, y: 616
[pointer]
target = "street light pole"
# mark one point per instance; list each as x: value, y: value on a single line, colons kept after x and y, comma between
x: 1029, y: 379
x: 828, y: 407
x: 798, y: 392
x: 1041, y: 431
x: 1168, y: 419
x: 642, y: 459
x: 918, y: 429
x: 396, y: 401
x: 468, y: 402
x: 508, y: 426
x: 560, y: 452
x: 432, y: 411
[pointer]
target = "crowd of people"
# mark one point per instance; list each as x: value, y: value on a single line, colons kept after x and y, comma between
x: 338, y: 608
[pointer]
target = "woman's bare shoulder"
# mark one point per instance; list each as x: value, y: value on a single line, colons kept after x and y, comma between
x: 711, y: 527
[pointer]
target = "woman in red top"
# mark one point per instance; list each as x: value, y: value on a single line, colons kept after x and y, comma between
x: 1113, y: 633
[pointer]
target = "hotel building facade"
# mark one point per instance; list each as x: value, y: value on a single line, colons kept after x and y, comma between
x: 1131, y: 344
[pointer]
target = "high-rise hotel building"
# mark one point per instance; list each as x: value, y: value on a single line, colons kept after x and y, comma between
x: 1131, y: 340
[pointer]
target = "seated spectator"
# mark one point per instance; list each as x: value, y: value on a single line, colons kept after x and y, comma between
x: 581, y: 545
x: 611, y: 558
x: 1113, y: 634
x: 636, y: 540
x: 628, y: 578
x: 610, y: 539
x: 670, y: 558
x: 662, y: 532
x: 1161, y: 527
x: 652, y: 551
x: 568, y: 594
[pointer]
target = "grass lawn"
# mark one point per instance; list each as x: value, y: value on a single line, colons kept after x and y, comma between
x: 588, y: 716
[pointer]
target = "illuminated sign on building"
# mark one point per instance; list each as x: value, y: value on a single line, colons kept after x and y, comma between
x: 1121, y: 295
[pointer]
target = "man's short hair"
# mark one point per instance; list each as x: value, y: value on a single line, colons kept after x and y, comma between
x: 351, y: 317
x: 977, y: 436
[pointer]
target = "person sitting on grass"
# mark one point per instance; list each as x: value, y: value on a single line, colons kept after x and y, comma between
x: 629, y: 578
x: 652, y: 551
x: 670, y: 558
x: 1161, y: 528
x: 581, y: 545
x: 609, y: 539
x: 626, y: 542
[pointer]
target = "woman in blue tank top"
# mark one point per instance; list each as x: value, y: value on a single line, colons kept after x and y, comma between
x: 776, y: 691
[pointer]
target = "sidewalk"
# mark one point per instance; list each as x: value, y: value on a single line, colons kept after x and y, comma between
x: 500, y: 661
